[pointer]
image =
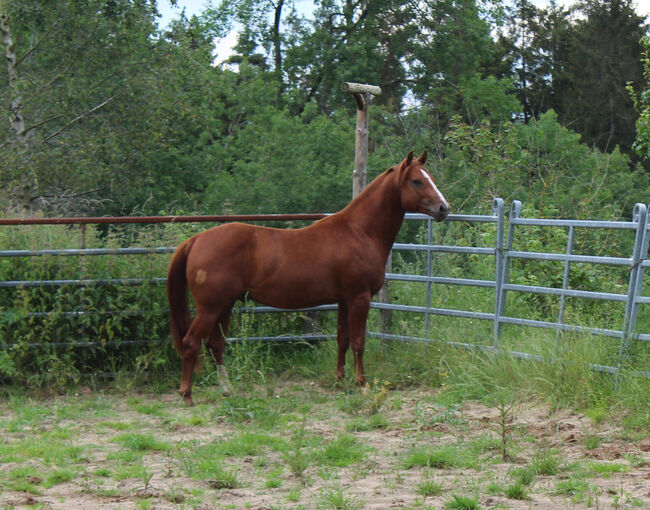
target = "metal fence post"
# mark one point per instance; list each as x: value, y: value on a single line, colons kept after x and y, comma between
x: 635, y: 285
x: 427, y: 315
x: 498, y: 210
x: 565, y: 281
x: 504, y: 274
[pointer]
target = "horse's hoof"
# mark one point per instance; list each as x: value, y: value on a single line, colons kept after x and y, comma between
x: 187, y: 398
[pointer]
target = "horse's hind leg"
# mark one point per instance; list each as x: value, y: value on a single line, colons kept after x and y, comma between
x: 201, y: 327
x: 357, y: 316
x: 342, y: 339
x: 216, y: 344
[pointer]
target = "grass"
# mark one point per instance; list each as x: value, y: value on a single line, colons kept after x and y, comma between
x: 446, y: 457
x: 462, y: 503
x: 428, y: 486
x: 342, y: 451
x: 141, y: 442
x: 307, y: 442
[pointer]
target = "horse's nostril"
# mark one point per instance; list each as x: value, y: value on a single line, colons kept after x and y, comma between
x: 443, y: 209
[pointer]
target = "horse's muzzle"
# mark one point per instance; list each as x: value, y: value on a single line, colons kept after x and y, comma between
x: 439, y: 211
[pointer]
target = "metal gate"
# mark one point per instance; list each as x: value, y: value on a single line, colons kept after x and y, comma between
x: 502, y: 253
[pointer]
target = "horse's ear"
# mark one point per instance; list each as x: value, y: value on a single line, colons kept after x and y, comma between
x: 423, y: 159
x: 401, y: 171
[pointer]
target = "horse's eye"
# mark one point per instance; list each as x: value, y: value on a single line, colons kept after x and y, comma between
x: 417, y: 183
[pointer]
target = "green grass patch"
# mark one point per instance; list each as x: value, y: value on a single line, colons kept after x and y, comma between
x: 606, y: 469
x: 445, y: 457
x: 516, y: 491
x: 249, y: 444
x: 428, y: 486
x: 366, y: 424
x: 342, y: 451
x: 141, y: 442
x: 462, y: 503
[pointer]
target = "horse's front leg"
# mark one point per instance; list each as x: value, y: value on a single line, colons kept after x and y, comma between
x: 357, y: 317
x: 342, y: 339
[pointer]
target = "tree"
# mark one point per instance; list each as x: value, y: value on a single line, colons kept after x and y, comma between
x: 603, y: 54
x: 72, y: 60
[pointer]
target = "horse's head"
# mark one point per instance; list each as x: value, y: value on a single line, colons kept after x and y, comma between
x: 419, y: 192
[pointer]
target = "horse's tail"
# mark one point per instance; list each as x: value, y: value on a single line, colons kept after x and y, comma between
x: 179, y: 311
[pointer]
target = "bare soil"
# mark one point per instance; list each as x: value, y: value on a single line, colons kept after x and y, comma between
x: 381, y: 480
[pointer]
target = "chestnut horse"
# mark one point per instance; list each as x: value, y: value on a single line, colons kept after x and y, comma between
x: 339, y: 259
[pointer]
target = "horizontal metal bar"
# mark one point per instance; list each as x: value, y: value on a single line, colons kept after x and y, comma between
x: 563, y: 257
x: 87, y: 251
x: 553, y: 291
x: 83, y: 283
x: 220, y: 218
x: 271, y: 309
x: 434, y: 311
x: 541, y: 222
x: 438, y: 248
x: 472, y: 218
x: 405, y: 338
x: 516, y: 321
x: 442, y: 280
x: 311, y: 337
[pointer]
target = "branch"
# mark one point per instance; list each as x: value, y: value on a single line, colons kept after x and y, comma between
x: 39, y: 124
x: 67, y: 196
x: 80, y: 117
x: 37, y: 44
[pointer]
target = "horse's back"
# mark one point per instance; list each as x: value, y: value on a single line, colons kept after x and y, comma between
x: 287, y: 268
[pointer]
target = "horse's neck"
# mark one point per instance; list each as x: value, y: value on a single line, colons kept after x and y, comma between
x: 378, y: 211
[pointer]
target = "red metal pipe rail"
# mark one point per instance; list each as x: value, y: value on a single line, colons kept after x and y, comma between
x: 221, y: 218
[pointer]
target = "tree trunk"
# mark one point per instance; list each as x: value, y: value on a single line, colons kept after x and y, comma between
x: 16, y: 118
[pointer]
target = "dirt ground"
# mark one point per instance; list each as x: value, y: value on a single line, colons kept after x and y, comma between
x: 609, y: 467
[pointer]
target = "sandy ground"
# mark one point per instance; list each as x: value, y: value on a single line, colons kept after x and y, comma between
x: 379, y: 481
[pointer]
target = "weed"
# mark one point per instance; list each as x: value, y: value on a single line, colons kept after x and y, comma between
x: 427, y: 415
x: 635, y: 460
x: 59, y: 476
x: 293, y: 496
x: 516, y: 491
x: 524, y: 476
x: 591, y: 441
x: 427, y: 486
x: 131, y: 471
x: 295, y: 457
x: 494, y: 488
x: 336, y: 499
x: 462, y: 503
x: 571, y: 487
x: 141, y: 442
x: 363, y: 424
x: 505, y: 424
x: 376, y: 396
x: 341, y: 451
x: 606, y: 469
x: 546, y: 463
x: 446, y: 457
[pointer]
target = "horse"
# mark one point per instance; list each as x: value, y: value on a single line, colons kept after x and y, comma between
x: 338, y: 259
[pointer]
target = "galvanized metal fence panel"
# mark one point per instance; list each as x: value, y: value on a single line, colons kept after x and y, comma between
x: 502, y: 252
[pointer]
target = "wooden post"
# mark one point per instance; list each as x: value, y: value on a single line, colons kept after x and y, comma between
x: 363, y: 94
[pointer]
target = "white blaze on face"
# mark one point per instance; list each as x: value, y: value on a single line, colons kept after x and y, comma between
x: 433, y: 185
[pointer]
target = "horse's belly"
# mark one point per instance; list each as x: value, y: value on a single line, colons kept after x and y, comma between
x: 296, y: 293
